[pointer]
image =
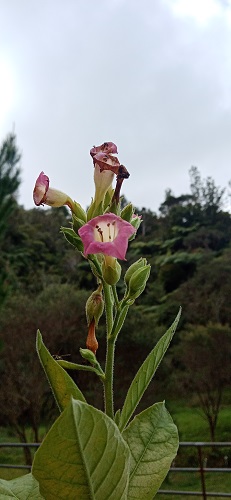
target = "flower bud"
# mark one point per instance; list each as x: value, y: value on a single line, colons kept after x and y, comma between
x: 137, y: 282
x: 72, y: 238
x: 114, y: 208
x: 88, y: 355
x: 136, y: 221
x: 127, y: 213
x: 133, y: 268
x: 77, y: 223
x: 92, y: 342
x: 94, y: 307
x: 79, y: 212
x: 43, y: 194
x: 111, y: 270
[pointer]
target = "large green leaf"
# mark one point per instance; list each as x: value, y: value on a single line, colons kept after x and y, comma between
x: 23, y: 488
x: 83, y: 456
x: 61, y: 383
x: 145, y: 374
x: 152, y: 438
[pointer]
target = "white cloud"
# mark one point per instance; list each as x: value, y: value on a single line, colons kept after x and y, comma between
x: 155, y: 81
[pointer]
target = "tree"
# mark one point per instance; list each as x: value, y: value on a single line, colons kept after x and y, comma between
x: 9, y: 178
x: 206, y: 194
x: 202, y: 367
x: 9, y: 183
x: 24, y: 391
x: 206, y: 295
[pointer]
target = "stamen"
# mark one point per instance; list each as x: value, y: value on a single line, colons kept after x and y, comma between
x: 113, y: 224
x: 100, y: 232
x: 109, y: 232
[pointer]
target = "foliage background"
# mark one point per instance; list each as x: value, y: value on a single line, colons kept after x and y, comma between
x: 44, y: 283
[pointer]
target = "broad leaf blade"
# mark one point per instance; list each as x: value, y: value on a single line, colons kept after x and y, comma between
x: 62, y: 385
x: 22, y: 488
x: 83, y: 456
x: 153, y: 441
x: 144, y: 375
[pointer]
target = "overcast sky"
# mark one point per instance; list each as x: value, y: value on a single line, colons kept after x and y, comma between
x: 153, y: 76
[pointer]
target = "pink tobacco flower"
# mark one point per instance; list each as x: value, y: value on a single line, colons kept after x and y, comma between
x: 106, y: 162
x: 106, y: 147
x: 40, y: 189
x: 103, y: 156
x: 106, y: 165
x: 43, y: 194
x: 107, y: 234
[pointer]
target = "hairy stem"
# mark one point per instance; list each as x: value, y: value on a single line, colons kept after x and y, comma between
x: 108, y: 307
x: 108, y: 381
x: 109, y: 365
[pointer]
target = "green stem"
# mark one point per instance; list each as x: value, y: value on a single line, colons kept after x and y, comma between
x: 108, y: 382
x: 109, y: 365
x: 114, y: 291
x: 108, y: 307
x: 74, y: 366
x: 119, y: 321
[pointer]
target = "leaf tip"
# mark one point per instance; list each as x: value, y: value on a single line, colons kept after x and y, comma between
x: 38, y: 340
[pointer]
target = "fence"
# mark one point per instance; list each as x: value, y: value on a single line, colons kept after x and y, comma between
x: 201, y: 469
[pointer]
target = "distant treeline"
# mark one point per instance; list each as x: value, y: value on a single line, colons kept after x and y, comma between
x: 45, y: 282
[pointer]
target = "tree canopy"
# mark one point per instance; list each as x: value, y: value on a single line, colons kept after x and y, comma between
x: 188, y: 244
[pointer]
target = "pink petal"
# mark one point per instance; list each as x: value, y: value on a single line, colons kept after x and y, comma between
x: 106, y: 162
x: 106, y: 147
x: 40, y: 189
x: 116, y: 248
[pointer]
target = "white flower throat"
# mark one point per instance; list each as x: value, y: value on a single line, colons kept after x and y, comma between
x: 106, y: 232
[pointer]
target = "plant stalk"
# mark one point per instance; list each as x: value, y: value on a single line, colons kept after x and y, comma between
x: 108, y: 381
x: 109, y: 365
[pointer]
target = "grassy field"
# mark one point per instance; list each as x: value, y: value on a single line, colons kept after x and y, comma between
x: 192, y: 427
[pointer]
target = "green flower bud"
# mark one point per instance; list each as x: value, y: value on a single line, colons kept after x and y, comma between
x: 79, y: 212
x: 88, y: 355
x: 94, y: 307
x: 77, y: 223
x: 94, y: 210
x: 111, y: 270
x: 133, y: 268
x: 114, y: 208
x: 72, y: 238
x: 138, y: 281
x: 107, y: 199
x: 136, y: 221
x: 127, y: 212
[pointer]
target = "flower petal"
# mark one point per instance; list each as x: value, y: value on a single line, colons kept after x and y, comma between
x: 106, y: 147
x: 106, y: 162
x: 40, y: 189
x: 117, y: 247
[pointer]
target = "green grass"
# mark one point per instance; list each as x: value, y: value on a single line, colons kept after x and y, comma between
x: 13, y: 455
x: 193, y: 427
x: 184, y: 481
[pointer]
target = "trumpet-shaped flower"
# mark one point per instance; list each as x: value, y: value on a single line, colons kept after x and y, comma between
x: 43, y: 194
x: 103, y: 182
x: 107, y: 234
x: 105, y: 168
